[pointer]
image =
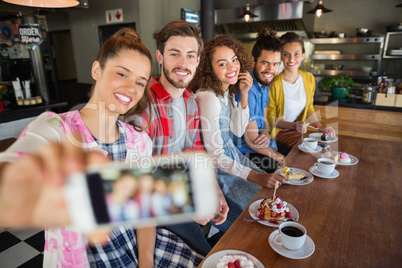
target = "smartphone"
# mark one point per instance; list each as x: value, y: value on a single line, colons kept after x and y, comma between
x: 148, y: 191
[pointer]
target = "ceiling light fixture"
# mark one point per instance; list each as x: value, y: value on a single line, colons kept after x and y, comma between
x: 247, y: 14
x: 319, y: 9
x: 45, y: 3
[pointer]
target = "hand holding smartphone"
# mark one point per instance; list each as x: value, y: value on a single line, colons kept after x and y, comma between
x: 159, y: 190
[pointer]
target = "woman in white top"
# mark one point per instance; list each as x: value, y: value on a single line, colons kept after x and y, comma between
x: 291, y: 96
x: 221, y: 73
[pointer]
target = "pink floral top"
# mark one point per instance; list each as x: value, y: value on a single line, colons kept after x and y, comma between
x: 64, y: 246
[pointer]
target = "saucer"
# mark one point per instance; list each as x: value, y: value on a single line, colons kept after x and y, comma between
x: 305, y: 251
x: 318, y: 137
x: 309, y: 176
x: 313, y: 170
x: 303, y: 149
x: 353, y: 159
x: 213, y: 260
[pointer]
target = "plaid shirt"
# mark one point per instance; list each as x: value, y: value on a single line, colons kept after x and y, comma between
x: 161, y: 128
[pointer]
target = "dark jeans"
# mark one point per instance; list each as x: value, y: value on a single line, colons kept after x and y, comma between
x: 283, y: 148
x: 192, y: 235
x: 191, y: 232
x: 263, y: 162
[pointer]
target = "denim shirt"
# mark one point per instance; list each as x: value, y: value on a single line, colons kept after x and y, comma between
x: 258, y: 97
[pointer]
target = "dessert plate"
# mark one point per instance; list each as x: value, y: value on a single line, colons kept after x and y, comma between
x: 353, y: 159
x: 309, y: 179
x: 305, y: 251
x: 316, y: 173
x: 303, y: 149
x: 318, y: 137
x: 213, y: 260
x: 253, y: 211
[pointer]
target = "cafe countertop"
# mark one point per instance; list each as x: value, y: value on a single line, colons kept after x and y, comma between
x: 22, y: 112
x: 358, y: 104
x: 354, y: 219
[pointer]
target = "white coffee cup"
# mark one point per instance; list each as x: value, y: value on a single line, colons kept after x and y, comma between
x: 310, y: 144
x: 292, y: 235
x: 325, y: 165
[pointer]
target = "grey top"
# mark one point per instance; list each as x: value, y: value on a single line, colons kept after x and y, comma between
x: 179, y: 125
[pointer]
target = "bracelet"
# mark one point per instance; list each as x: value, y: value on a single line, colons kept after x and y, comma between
x: 266, y: 133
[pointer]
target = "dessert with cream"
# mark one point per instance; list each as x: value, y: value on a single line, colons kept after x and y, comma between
x: 272, y: 210
x: 326, y: 136
x: 292, y: 174
x: 344, y: 158
x: 235, y: 261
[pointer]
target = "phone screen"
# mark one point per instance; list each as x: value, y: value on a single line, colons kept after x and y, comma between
x: 135, y: 194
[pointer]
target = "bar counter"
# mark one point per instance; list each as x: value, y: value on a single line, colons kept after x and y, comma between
x: 22, y: 112
x: 358, y: 104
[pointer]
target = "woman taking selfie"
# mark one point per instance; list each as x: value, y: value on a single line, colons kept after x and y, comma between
x: 53, y: 146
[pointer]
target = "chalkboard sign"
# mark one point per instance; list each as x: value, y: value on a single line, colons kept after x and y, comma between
x: 30, y: 34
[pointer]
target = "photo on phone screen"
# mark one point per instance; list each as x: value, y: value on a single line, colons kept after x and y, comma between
x: 135, y: 194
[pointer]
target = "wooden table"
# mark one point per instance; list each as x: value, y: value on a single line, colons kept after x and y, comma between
x: 355, y: 220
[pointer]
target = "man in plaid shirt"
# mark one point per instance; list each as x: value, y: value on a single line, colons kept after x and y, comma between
x: 175, y: 120
x: 161, y: 129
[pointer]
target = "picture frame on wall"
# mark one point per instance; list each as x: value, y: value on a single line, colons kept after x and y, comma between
x: 107, y: 31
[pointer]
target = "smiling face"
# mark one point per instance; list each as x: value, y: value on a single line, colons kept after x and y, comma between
x: 179, y: 61
x: 121, y: 83
x: 292, y: 56
x: 266, y: 67
x: 226, y: 66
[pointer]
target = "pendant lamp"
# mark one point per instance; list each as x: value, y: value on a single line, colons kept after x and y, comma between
x: 247, y: 14
x: 45, y: 3
x: 319, y: 9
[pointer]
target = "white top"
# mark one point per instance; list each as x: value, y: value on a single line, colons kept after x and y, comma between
x: 210, y: 109
x: 295, y: 99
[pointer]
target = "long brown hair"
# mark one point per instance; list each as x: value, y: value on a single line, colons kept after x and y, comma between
x: 126, y: 39
x: 205, y: 76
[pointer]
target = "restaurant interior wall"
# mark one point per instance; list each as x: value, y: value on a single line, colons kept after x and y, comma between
x: 149, y: 15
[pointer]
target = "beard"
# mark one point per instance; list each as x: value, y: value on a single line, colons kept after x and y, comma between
x: 261, y: 81
x: 179, y: 83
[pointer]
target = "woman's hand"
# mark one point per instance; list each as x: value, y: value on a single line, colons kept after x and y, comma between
x: 31, y: 189
x: 265, y: 180
x: 300, y: 127
x: 245, y: 82
x: 327, y: 128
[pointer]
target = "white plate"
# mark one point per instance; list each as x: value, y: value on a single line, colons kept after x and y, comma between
x: 305, y: 251
x: 298, y: 182
x: 303, y: 149
x: 353, y: 159
x: 316, y: 173
x: 213, y: 260
x: 253, y: 211
x: 318, y: 137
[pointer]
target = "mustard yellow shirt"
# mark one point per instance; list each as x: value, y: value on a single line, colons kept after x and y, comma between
x: 276, y: 103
